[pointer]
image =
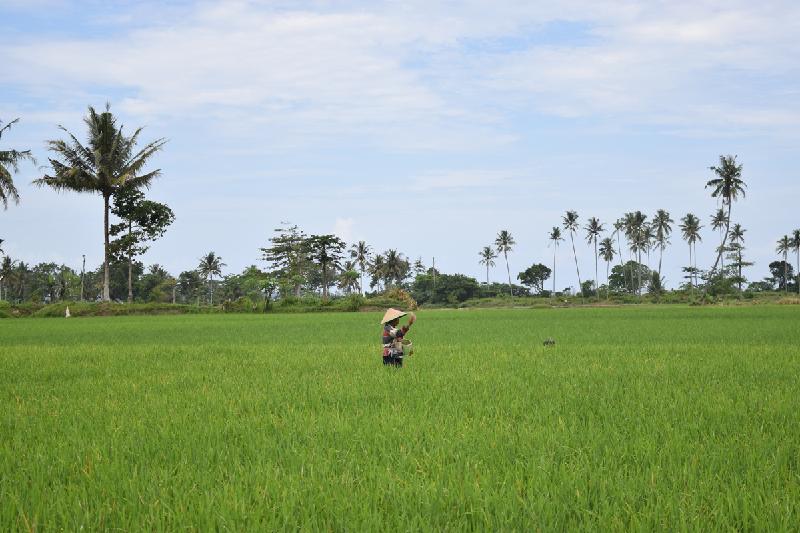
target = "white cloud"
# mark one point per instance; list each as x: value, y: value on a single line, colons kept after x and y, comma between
x: 418, y: 74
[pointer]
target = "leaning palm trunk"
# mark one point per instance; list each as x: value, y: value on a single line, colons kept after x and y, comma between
x: 554, y: 271
x: 508, y: 270
x: 575, y: 255
x: 785, y: 274
x: 722, y: 246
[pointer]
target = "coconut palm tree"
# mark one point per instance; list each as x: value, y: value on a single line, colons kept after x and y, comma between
x: 210, y: 265
x: 487, y: 256
x: 555, y: 237
x: 377, y: 270
x: 635, y: 227
x: 737, y: 240
x: 607, y: 253
x: 9, y: 164
x: 783, y: 248
x: 662, y: 225
x: 348, y: 278
x: 505, y: 243
x: 718, y: 222
x: 361, y: 253
x: 796, y: 246
x: 109, y: 161
x: 570, y: 223
x: 728, y: 185
x: 396, y: 267
x: 690, y: 229
x: 619, y: 227
x: 593, y: 230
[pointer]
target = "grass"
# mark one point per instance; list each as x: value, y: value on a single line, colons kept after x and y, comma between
x: 672, y: 418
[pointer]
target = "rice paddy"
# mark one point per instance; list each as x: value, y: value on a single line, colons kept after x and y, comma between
x: 678, y: 418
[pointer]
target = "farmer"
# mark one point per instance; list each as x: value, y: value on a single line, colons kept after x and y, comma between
x: 393, y: 336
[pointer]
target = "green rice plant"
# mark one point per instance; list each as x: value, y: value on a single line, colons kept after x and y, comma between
x: 651, y: 417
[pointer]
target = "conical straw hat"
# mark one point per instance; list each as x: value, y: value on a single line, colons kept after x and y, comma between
x: 391, y: 314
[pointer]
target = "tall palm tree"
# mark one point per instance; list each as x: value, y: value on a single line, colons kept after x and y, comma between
x: 9, y: 164
x: 570, y: 223
x: 619, y: 227
x: 638, y: 239
x: 728, y: 185
x: 377, y: 270
x: 796, y: 246
x: 593, y: 230
x: 487, y: 257
x: 210, y: 265
x: 109, y: 161
x: 737, y: 240
x: 396, y: 267
x: 690, y: 228
x: 361, y: 253
x: 555, y: 236
x: 607, y: 253
x: 662, y: 224
x: 784, y: 245
x: 348, y: 278
x: 718, y: 222
x: 505, y: 243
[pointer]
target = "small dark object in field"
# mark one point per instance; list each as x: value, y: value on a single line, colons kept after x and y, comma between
x: 549, y: 341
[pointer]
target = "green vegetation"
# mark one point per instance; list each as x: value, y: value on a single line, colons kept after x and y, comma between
x: 638, y: 418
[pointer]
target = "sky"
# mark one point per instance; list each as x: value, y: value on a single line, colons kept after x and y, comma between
x: 423, y: 126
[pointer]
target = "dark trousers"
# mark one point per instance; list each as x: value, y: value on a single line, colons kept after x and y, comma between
x: 393, y: 360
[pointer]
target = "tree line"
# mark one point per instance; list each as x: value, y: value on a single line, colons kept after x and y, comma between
x: 111, y: 163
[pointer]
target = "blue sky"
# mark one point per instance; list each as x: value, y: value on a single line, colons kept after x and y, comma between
x: 421, y: 125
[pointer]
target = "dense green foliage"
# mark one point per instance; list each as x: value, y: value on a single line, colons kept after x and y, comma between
x: 638, y: 418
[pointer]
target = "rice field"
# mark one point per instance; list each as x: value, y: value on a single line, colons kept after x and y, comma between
x: 665, y: 418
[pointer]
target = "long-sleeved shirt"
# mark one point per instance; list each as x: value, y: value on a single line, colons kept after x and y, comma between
x: 390, y: 336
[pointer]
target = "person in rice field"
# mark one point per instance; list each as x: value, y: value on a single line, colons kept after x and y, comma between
x: 393, y: 336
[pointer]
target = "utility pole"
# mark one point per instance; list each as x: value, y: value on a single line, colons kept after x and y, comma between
x: 433, y: 270
x: 83, y: 271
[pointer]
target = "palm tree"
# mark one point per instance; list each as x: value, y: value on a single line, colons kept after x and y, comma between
x: 796, y: 246
x: 505, y: 243
x: 360, y: 252
x: 619, y: 227
x: 662, y: 224
x: 784, y: 245
x: 9, y: 164
x: 348, y: 278
x: 728, y: 185
x: 555, y: 236
x: 487, y: 256
x: 210, y: 265
x: 396, y: 267
x: 737, y: 239
x: 570, y: 223
x: 593, y: 230
x: 638, y: 240
x: 377, y: 270
x: 718, y: 222
x: 690, y: 228
x: 607, y: 253
x: 108, y: 162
